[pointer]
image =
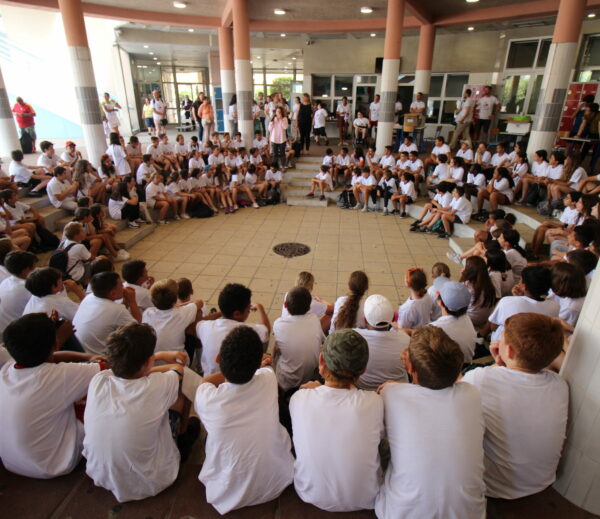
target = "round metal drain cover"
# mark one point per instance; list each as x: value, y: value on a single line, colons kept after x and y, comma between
x: 291, y: 250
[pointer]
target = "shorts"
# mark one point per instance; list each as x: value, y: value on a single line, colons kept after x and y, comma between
x: 320, y: 132
x: 409, y: 199
x: 150, y: 122
x: 174, y: 423
x: 457, y: 219
x: 30, y: 130
x: 31, y: 183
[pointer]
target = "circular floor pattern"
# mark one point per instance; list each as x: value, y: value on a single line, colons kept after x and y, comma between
x: 291, y: 249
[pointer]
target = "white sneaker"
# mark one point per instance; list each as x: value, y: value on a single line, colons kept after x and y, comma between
x: 364, y: 209
x: 140, y: 220
x: 177, y: 217
x: 357, y: 206
x: 133, y: 225
x: 123, y: 255
x: 162, y: 222
x: 185, y: 216
x: 255, y: 205
x: 454, y: 257
x: 385, y: 212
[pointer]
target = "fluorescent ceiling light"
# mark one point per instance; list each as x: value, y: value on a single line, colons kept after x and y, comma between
x: 282, y: 34
x: 592, y: 15
x: 344, y: 88
x: 472, y: 1
x: 190, y: 30
x: 366, y: 10
x: 179, y: 5
x: 151, y: 53
x: 470, y: 28
x: 293, y: 58
x: 145, y: 46
x: 158, y: 62
x: 154, y: 59
x: 373, y: 35
x: 279, y: 12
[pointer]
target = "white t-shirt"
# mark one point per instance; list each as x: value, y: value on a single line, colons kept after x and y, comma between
x: 520, y: 169
x: 328, y: 160
x: 360, y: 315
x: 526, y: 420
x: 498, y: 160
x: 361, y: 122
x: 408, y: 189
x: 48, y: 162
x: 326, y: 177
x: 342, y: 160
x: 437, y: 150
x: 196, y: 163
x: 248, y: 452
x: 273, y: 176
x: 144, y: 172
x: 374, y: 111
x: 569, y: 216
x: 465, y: 110
x: 14, y: 297
x: 159, y: 106
x: 142, y: 296
x: 512, y: 305
x: 117, y: 153
x: 467, y: 154
x: 260, y: 143
x: 387, y: 161
x: 298, y: 340
x: 128, y: 443
x: 320, y: 116
x: 414, y: 313
x: 460, y: 330
x: 436, y: 467
x: 416, y: 166
x: 517, y: 262
x: 60, y: 302
x: 485, y: 158
x: 540, y: 169
x: 503, y: 282
x: 21, y: 173
x: 153, y: 190
x: 417, y: 106
x: 570, y: 308
x: 555, y: 172
x: 336, y: 437
x: 486, y: 104
x: 170, y: 325
x: 478, y: 180
x: 385, y: 363
x: 115, y: 207
x: 96, y: 319
x: 39, y: 434
x: 457, y: 174
x: 18, y: 212
x: 57, y: 187
x: 440, y: 171
x: 343, y: 110
x: 408, y: 147
x: 389, y: 183
x: 463, y: 208
x: 503, y: 186
x: 78, y: 254
x: 577, y: 176
x: 211, y: 335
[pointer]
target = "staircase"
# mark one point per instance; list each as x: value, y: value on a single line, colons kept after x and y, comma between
x: 297, y: 182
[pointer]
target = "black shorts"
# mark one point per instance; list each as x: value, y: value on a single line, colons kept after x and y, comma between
x: 320, y: 132
x: 457, y: 219
x: 31, y: 183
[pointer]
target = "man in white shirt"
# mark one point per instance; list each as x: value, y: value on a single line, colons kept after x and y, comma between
x: 463, y: 117
x: 235, y: 303
x: 454, y: 299
x: 374, y: 112
x: 159, y: 112
x: 418, y: 105
x: 386, y: 345
x: 486, y: 106
x: 436, y: 433
x: 522, y: 444
x: 439, y: 147
x: 13, y: 294
x: 343, y: 116
x: 329, y: 421
x: 99, y: 314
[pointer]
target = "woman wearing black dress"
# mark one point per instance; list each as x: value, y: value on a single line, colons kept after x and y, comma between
x: 305, y: 115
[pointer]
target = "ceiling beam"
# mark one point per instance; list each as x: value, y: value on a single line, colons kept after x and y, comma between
x: 327, y: 26
x: 227, y: 15
x: 419, y: 12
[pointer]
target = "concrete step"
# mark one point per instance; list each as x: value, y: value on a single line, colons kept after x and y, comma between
x: 306, y: 166
x: 35, y: 202
x: 301, y: 200
x: 293, y: 175
x: 313, y: 159
x: 127, y: 238
x: 460, y: 245
x: 295, y: 191
x: 52, y: 215
x: 60, y: 223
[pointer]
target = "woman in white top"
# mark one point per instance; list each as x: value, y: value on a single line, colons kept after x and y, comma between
x: 482, y: 156
x: 572, y: 175
x: 348, y: 310
x: 520, y: 167
x: 499, y: 190
x: 509, y: 241
x: 118, y: 155
x: 569, y: 289
x: 539, y: 171
x: 456, y: 172
x: 295, y: 110
x: 90, y: 183
x: 111, y: 108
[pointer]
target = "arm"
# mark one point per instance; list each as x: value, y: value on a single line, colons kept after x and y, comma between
x: 264, y: 318
x: 131, y: 304
x: 172, y: 357
x: 216, y: 379
x: 73, y: 288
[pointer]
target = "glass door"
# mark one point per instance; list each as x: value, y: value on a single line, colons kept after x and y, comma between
x: 363, y: 93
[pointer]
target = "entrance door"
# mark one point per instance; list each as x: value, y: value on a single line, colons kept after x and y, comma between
x: 363, y: 93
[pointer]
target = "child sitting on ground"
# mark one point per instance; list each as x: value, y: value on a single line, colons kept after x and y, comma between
x: 329, y: 421
x: 238, y: 408
x: 568, y: 290
x: 40, y: 436
x: 235, y: 305
x: 523, y: 445
x: 443, y: 476
x: 135, y: 275
x: 298, y: 339
x: 419, y: 309
x: 13, y: 294
x: 348, y: 310
x: 133, y: 409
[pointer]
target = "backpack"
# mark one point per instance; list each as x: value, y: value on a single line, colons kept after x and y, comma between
x: 346, y: 200
x: 273, y: 197
x: 26, y: 143
x: 48, y: 240
x: 201, y: 210
x: 536, y: 194
x: 60, y: 260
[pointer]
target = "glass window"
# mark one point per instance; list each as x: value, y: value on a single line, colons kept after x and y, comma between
x: 321, y: 86
x: 455, y: 84
x: 448, y: 111
x: 535, y: 94
x: 366, y: 79
x: 435, y: 87
x: 189, y: 76
x: 514, y: 93
x: 343, y: 85
x: 433, y: 110
x: 167, y: 75
x: 405, y: 78
x: 592, y: 52
x: 521, y: 54
x: 543, y: 53
x: 589, y: 75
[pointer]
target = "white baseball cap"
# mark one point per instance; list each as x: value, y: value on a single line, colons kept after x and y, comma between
x: 379, y: 312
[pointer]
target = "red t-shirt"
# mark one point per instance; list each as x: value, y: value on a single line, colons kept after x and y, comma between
x: 24, y: 121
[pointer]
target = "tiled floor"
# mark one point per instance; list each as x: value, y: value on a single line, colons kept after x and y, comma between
x: 239, y: 248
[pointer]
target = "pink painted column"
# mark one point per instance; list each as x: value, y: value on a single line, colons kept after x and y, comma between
x: 243, y: 69
x: 227, y: 72
x: 83, y: 76
x: 424, y: 61
x: 557, y: 75
x: 389, y: 73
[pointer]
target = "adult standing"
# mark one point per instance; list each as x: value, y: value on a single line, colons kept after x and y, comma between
x: 159, y: 112
x: 260, y: 101
x: 374, y: 112
x: 305, y: 116
x: 195, y: 106
x: 25, y: 119
x: 464, y: 116
x: 343, y: 115
x: 206, y: 114
x: 278, y: 136
x: 295, y: 110
x: 111, y: 109
x: 418, y: 105
x: 232, y: 114
x: 486, y: 105
x: 148, y: 113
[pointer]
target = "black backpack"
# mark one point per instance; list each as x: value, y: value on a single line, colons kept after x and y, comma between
x: 201, y: 210
x: 60, y: 260
x: 273, y: 197
x: 26, y: 143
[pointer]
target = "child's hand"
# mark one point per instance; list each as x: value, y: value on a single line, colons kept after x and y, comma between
x: 310, y: 385
x: 380, y: 388
x: 495, y: 352
x: 518, y: 290
x: 177, y: 357
x: 267, y: 360
x: 199, y: 303
x: 128, y: 294
x: 98, y: 358
x: 69, y: 284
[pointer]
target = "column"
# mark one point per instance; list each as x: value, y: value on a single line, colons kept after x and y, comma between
x: 578, y: 476
x: 424, y: 61
x: 561, y: 59
x: 83, y: 76
x: 243, y: 70
x: 389, y: 73
x: 227, y: 75
x: 9, y: 140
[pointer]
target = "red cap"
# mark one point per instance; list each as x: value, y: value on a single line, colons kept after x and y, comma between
x: 70, y: 143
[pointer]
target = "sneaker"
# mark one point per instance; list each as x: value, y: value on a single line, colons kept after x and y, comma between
x: 364, y: 209
x: 310, y: 195
x: 443, y: 235
x: 357, y: 206
x: 415, y: 224
x: 35, y: 194
x: 322, y: 197
x: 413, y: 229
x: 454, y: 257
x: 133, y: 225
x: 255, y: 205
x: 424, y: 229
x: 395, y: 211
x: 385, y: 212
x: 139, y: 220
x: 162, y: 222
x: 403, y: 214
x: 236, y: 207
x: 177, y: 217
x: 185, y: 216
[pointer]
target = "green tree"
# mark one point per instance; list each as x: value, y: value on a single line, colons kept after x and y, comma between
x: 282, y: 84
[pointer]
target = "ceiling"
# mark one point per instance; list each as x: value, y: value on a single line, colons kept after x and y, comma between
x: 315, y: 10
x: 194, y: 7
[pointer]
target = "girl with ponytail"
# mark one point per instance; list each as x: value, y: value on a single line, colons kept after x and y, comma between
x: 348, y: 309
